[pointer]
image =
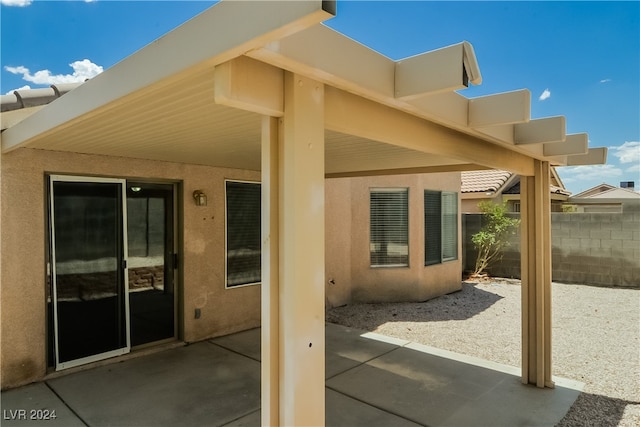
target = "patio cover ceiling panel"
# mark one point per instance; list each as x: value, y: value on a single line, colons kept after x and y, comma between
x: 182, y: 123
x: 348, y: 155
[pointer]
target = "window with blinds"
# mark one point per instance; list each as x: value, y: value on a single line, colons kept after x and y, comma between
x: 449, y: 226
x: 440, y: 226
x: 243, y: 233
x: 432, y: 227
x: 389, y: 227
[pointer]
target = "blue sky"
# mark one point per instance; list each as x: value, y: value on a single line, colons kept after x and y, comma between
x: 578, y: 59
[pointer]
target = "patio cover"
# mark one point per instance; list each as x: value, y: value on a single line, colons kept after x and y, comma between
x: 265, y: 86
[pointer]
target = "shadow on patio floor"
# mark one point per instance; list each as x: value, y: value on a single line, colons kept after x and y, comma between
x: 372, y: 380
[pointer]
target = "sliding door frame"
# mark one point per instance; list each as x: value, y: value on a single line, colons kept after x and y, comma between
x: 123, y: 269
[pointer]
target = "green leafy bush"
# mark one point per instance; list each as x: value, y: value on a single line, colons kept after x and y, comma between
x: 493, y: 237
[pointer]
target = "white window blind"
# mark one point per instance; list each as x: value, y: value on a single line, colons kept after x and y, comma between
x: 243, y: 238
x: 389, y: 227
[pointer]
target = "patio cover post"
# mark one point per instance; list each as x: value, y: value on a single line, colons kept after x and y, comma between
x: 270, y: 273
x: 293, y: 258
x: 536, y: 276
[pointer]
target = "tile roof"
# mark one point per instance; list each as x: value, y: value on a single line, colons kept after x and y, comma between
x: 484, y: 181
x: 25, y: 98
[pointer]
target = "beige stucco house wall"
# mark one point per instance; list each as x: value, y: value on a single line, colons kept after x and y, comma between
x: 201, y: 231
x: 24, y: 237
x: 350, y: 277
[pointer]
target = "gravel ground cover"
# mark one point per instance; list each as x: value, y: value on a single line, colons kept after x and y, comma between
x: 596, y: 337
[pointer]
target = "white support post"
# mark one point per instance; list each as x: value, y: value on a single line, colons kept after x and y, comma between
x: 295, y: 392
x: 536, y: 276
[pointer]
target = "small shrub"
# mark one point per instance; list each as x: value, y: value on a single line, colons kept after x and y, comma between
x: 493, y: 237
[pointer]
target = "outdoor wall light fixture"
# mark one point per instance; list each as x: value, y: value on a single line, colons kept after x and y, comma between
x: 200, y: 198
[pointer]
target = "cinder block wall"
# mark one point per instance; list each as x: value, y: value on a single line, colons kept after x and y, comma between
x: 588, y: 248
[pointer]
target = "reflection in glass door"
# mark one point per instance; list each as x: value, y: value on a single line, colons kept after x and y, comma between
x: 88, y: 251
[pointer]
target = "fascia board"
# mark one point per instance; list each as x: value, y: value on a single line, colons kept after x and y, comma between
x: 241, y: 26
x: 507, y: 184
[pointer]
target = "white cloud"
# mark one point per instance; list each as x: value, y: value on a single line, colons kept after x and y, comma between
x: 629, y: 152
x: 605, y: 80
x: 544, y: 95
x: 632, y: 169
x: 82, y: 70
x: 19, y: 3
x: 25, y: 87
x: 597, y: 173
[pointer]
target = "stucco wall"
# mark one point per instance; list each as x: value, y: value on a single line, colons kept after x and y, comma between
x: 362, y: 283
x: 338, y: 242
x: 23, y: 241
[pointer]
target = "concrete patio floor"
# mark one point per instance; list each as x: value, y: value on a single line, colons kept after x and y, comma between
x: 371, y: 380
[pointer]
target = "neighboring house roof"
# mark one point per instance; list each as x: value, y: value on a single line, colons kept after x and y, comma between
x: 610, y: 193
x: 484, y: 181
x: 499, y: 181
x: 17, y: 106
x: 594, y: 190
x: 25, y: 98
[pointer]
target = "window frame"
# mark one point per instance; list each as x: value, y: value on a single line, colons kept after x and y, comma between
x: 442, y: 223
x: 226, y: 234
x: 406, y: 191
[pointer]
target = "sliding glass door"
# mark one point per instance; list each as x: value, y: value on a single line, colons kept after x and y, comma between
x: 150, y: 239
x: 88, y: 269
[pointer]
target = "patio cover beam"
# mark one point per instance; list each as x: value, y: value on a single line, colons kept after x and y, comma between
x: 250, y: 85
x: 595, y: 156
x: 500, y: 109
x: 536, y: 276
x: 327, y: 56
x: 442, y: 70
x: 408, y: 171
x: 549, y: 129
x: 574, y: 144
x: 293, y: 238
x: 353, y: 115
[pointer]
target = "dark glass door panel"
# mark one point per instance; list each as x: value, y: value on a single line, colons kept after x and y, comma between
x: 150, y: 246
x: 88, y: 259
